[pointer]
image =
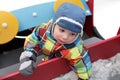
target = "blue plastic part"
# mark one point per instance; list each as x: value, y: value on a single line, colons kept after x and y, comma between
x: 27, y: 20
x: 86, y: 8
x: 32, y: 16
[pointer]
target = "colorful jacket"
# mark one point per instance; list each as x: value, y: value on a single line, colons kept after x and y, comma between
x: 41, y: 41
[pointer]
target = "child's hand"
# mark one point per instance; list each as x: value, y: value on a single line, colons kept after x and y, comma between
x: 27, y: 63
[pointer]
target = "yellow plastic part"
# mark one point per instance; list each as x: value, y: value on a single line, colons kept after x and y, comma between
x: 76, y: 2
x: 8, y: 26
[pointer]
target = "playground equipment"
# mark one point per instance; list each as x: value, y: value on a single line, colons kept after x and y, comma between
x: 27, y: 18
x: 99, y: 49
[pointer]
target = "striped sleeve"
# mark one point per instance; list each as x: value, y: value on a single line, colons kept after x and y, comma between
x: 32, y: 42
x: 81, y: 64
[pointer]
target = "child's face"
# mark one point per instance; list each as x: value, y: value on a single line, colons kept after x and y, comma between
x: 63, y: 35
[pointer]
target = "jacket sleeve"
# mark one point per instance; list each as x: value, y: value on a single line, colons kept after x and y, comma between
x: 79, y: 61
x: 32, y: 41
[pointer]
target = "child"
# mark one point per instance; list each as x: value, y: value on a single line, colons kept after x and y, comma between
x: 60, y: 37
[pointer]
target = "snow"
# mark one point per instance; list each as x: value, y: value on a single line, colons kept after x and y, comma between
x: 68, y: 76
x: 103, y: 69
x: 107, y: 69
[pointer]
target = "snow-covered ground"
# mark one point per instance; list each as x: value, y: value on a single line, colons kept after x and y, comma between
x: 68, y: 76
x: 107, y: 69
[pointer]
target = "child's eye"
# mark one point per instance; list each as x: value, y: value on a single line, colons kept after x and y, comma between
x: 62, y: 30
x: 73, y: 34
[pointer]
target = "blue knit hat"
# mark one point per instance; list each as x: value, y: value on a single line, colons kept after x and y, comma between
x: 70, y: 16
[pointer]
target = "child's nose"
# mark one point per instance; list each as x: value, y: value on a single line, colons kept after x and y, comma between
x: 65, y: 36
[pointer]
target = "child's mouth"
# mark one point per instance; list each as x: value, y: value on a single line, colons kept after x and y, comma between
x: 61, y: 41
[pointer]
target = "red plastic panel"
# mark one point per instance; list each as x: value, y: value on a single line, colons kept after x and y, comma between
x: 118, y: 31
x: 45, y: 71
x: 104, y: 49
x: 88, y: 27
